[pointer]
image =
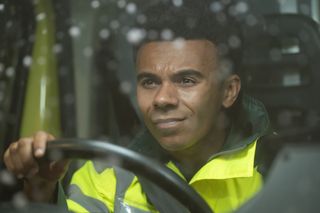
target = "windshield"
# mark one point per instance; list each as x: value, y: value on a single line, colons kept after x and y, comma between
x: 69, y: 67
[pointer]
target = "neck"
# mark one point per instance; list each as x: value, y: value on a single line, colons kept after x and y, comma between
x: 193, y: 158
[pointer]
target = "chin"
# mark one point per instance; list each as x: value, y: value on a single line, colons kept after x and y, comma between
x: 171, y: 144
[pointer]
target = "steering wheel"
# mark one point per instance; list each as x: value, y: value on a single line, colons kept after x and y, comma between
x: 134, y: 162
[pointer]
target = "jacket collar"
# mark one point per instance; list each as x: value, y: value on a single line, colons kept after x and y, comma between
x: 232, y: 165
x: 251, y: 124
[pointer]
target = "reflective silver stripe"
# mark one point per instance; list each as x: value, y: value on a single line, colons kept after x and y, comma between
x: 89, y: 203
x: 124, y: 179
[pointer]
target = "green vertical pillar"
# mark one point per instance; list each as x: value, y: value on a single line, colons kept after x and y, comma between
x: 41, y: 106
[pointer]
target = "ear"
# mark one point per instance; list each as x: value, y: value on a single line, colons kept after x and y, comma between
x: 232, y: 86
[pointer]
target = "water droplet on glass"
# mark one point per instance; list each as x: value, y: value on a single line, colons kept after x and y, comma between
x: 41, y: 16
x: 131, y: 8
x: 9, y: 24
x: 141, y: 19
x: 114, y: 24
x: 135, y: 35
x: 9, y: 71
x: 27, y: 61
x: 241, y: 7
x: 225, y: 68
x: 177, y: 3
x: 104, y: 33
x: 121, y: 3
x: 19, y: 200
x: 125, y: 87
x: 234, y: 41
x: 95, y: 4
x: 1, y: 7
x: 216, y: 6
x: 87, y: 51
x: 57, y: 48
x: 167, y: 34
x: 179, y: 43
x: 7, y: 178
x: 251, y: 20
x: 74, y: 31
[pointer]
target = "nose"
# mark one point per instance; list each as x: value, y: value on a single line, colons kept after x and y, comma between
x: 166, y: 97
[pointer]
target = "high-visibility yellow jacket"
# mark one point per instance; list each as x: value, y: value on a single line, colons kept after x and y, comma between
x: 226, y: 181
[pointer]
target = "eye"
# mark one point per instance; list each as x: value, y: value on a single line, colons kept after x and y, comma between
x: 149, y: 83
x: 187, y: 81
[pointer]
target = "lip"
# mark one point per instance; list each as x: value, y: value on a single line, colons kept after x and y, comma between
x: 167, y: 123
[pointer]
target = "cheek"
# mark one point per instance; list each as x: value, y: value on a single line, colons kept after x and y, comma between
x: 198, y: 100
x: 204, y: 105
x: 144, y: 102
x: 190, y: 96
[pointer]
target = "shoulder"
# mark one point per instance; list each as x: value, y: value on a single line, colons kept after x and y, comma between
x: 265, y: 155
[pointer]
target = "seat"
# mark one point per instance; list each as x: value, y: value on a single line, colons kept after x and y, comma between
x: 299, y: 193
x: 281, y: 67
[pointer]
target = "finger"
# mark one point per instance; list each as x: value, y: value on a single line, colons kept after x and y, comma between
x: 39, y: 143
x: 16, y: 165
x: 29, y: 165
x: 9, y: 167
x: 50, y: 137
x: 7, y: 160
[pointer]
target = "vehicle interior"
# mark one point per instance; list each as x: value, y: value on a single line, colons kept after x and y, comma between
x: 67, y: 67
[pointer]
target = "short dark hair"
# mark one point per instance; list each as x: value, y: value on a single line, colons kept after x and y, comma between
x: 194, y: 19
x: 211, y: 20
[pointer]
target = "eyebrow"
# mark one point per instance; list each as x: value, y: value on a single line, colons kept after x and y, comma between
x: 145, y: 74
x: 188, y: 72
x: 180, y: 73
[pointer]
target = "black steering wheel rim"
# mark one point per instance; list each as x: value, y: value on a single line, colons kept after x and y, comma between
x: 132, y: 161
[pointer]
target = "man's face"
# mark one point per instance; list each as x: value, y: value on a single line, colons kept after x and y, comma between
x: 178, y: 92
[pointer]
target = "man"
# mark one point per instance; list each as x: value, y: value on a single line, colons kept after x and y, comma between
x: 189, y: 96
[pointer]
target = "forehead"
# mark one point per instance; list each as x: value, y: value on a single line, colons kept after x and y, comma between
x: 197, y: 54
